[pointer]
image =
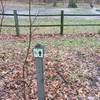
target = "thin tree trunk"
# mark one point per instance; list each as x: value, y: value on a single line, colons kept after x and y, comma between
x: 72, y: 4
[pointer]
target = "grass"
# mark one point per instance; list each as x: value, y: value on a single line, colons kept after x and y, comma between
x: 81, y: 42
x: 59, y: 4
x: 98, y: 32
x: 70, y: 43
x: 26, y: 5
x: 50, y: 21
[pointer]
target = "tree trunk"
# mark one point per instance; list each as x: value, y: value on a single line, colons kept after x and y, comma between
x: 72, y: 4
x: 92, y: 3
x: 65, y: 3
x: 54, y: 3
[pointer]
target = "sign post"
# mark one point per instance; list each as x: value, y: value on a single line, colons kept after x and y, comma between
x: 38, y: 52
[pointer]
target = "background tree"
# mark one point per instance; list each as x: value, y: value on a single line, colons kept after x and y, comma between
x: 92, y: 2
x: 54, y: 3
x: 65, y: 3
x: 72, y: 4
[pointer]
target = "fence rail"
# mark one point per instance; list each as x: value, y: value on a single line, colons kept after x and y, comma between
x: 51, y: 15
x: 61, y: 25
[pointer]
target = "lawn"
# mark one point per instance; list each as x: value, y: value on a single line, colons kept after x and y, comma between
x: 48, y: 5
x: 52, y: 21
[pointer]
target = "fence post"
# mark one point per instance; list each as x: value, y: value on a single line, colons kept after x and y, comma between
x: 16, y: 22
x: 62, y: 22
x: 38, y: 53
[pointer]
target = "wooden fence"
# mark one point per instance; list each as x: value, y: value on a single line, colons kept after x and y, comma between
x: 61, y: 25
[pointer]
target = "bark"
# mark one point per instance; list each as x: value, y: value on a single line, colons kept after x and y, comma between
x: 54, y: 3
x: 72, y: 4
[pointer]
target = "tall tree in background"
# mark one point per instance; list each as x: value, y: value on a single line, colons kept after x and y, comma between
x: 92, y: 2
x: 65, y: 3
x: 72, y: 4
x: 54, y: 3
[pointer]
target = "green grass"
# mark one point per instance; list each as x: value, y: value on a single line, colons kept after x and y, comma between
x: 81, y: 42
x: 50, y: 21
x: 26, y: 5
x: 70, y: 43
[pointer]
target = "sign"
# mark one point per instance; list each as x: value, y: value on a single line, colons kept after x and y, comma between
x: 38, y: 52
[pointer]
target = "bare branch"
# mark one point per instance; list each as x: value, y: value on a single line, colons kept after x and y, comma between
x: 2, y: 11
x: 2, y: 17
x: 29, y: 44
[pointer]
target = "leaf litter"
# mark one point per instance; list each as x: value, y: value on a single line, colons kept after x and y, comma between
x: 70, y: 73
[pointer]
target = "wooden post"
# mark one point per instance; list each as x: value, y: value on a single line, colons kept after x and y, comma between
x: 62, y: 22
x: 38, y: 53
x: 16, y: 22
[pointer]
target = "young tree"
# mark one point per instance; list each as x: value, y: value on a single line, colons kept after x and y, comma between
x: 72, y: 4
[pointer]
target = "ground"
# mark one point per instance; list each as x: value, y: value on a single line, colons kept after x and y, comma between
x: 71, y: 66
x: 59, y: 5
x: 71, y: 61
